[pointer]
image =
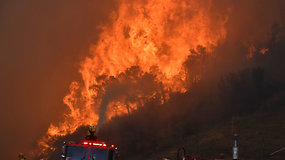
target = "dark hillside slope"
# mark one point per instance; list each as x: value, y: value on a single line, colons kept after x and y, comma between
x: 260, y: 134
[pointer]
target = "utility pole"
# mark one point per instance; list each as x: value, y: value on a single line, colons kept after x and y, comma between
x: 235, y: 148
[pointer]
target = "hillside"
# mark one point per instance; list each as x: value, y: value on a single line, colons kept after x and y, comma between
x: 260, y: 134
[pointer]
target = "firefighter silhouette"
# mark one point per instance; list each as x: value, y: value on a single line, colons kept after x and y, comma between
x: 21, y: 156
x: 91, y: 135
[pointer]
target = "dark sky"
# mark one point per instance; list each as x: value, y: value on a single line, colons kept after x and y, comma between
x: 41, y: 46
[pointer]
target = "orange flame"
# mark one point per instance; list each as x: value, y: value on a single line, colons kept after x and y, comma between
x: 253, y: 51
x: 156, y: 36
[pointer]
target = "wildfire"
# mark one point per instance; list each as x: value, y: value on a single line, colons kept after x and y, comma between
x: 253, y: 51
x: 143, y: 51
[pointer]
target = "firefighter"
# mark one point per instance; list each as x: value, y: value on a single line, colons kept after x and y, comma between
x: 21, y: 156
x: 91, y: 135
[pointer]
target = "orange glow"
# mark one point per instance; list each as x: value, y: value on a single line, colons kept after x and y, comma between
x: 253, y: 51
x: 264, y: 50
x: 156, y: 36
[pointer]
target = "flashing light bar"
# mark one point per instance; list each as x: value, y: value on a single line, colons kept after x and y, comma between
x: 95, y: 144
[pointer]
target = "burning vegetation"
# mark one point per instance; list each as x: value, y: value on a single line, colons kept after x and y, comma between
x: 139, y: 57
x: 161, y: 68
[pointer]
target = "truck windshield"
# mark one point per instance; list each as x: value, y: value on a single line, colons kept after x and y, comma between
x: 98, y: 154
x: 76, y: 153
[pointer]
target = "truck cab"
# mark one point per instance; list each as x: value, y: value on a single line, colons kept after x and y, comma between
x: 89, y: 150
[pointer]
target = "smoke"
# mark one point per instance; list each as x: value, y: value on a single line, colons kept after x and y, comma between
x: 113, y: 92
x: 42, y: 43
x: 219, y: 82
x: 41, y: 46
x: 229, y: 83
x: 128, y: 88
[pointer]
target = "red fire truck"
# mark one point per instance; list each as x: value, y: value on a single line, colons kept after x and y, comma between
x: 89, y: 150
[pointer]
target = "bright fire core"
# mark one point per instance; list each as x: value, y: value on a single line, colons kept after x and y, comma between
x: 148, y: 41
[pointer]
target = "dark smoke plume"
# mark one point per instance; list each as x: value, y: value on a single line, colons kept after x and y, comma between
x: 130, y: 84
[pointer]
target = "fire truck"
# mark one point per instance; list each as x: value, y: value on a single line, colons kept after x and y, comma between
x: 89, y: 150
